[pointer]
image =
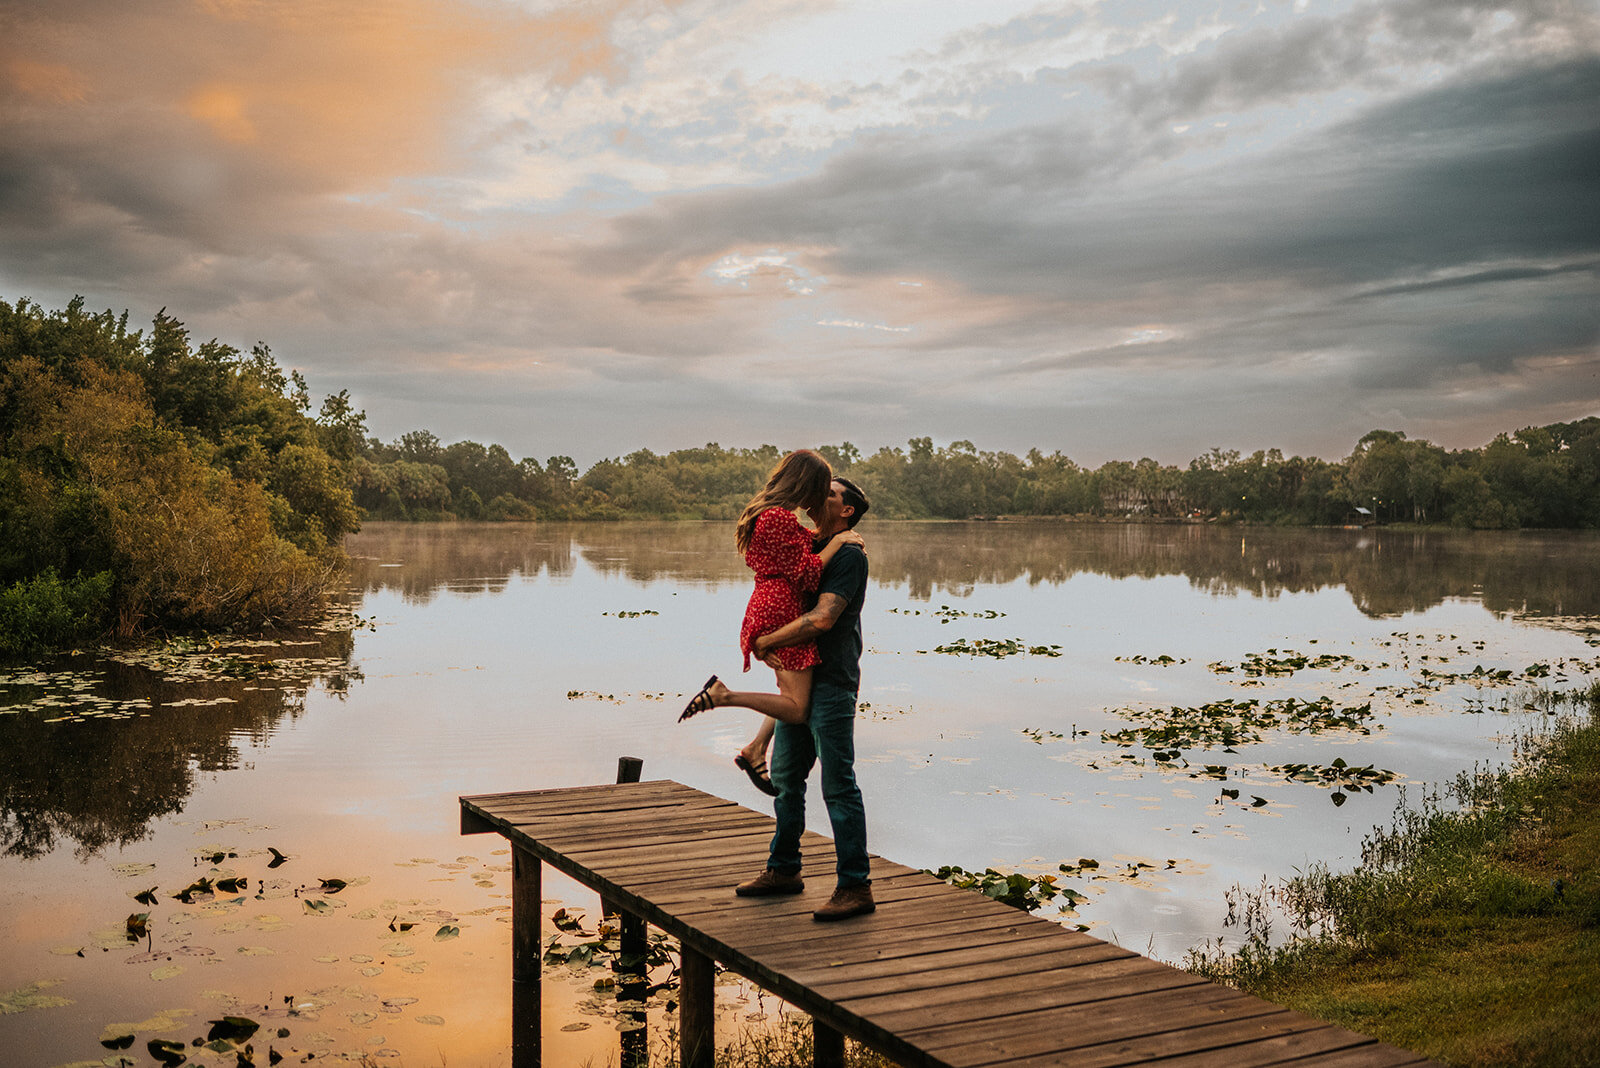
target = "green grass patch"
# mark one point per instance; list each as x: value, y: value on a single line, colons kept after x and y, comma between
x: 1471, y: 931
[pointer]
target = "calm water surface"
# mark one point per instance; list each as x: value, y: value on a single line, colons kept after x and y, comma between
x: 512, y: 657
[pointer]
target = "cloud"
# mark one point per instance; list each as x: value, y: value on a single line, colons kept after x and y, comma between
x: 254, y: 114
x: 1075, y: 226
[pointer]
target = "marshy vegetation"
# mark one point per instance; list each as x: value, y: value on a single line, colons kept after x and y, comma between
x: 1471, y: 930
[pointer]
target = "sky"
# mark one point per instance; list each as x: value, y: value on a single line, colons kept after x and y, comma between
x: 1113, y: 228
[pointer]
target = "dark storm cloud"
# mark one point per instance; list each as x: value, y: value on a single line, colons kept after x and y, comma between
x: 1506, y: 274
x: 1462, y: 176
x: 1357, y: 47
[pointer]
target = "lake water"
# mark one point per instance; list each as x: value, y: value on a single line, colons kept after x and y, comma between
x: 491, y: 658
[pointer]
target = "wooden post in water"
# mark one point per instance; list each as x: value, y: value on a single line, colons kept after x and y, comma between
x: 527, y: 897
x: 696, y: 1009
x: 827, y: 1046
x: 630, y: 965
x: 628, y: 770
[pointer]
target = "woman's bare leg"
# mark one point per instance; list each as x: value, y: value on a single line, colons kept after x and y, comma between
x: 791, y: 704
x: 756, y: 751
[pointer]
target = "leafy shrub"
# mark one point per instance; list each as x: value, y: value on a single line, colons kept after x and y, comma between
x: 45, y: 612
x: 194, y: 479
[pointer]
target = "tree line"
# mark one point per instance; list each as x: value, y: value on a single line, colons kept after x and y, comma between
x: 148, y: 482
x: 1545, y: 476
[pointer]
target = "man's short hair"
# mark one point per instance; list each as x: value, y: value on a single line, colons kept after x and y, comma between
x: 853, y: 496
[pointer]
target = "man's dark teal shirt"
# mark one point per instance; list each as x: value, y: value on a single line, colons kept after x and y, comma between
x: 840, y: 645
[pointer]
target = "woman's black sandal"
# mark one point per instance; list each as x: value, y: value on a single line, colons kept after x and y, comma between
x: 700, y: 702
x: 758, y: 775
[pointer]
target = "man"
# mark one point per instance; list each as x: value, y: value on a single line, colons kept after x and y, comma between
x: 829, y: 731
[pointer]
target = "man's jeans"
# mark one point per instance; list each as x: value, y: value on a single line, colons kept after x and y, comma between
x: 829, y: 734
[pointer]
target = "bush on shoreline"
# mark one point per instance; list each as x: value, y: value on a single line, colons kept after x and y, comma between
x: 149, y: 484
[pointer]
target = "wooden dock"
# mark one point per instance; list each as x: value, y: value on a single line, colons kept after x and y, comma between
x: 937, y: 976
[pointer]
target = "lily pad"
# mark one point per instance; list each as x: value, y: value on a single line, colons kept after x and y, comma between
x: 32, y: 996
x: 132, y: 870
x: 232, y: 1029
x: 170, y: 1054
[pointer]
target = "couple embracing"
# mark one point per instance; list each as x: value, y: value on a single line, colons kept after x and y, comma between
x: 804, y: 622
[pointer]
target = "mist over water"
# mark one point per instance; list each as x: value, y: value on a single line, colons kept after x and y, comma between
x: 507, y: 657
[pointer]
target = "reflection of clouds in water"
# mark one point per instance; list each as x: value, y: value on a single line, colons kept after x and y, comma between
x: 490, y: 629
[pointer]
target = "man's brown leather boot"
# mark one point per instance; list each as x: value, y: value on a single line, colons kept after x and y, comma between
x: 847, y: 901
x: 770, y: 882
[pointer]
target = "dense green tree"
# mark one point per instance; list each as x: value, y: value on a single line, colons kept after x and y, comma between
x: 181, y: 485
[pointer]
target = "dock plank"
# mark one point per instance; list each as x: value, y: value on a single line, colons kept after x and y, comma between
x: 936, y: 976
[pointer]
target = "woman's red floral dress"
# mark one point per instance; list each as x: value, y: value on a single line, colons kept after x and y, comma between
x: 780, y: 555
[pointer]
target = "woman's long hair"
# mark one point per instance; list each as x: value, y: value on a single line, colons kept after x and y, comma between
x: 801, y: 480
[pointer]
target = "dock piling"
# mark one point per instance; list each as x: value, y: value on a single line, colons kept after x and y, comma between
x: 527, y: 951
x: 696, y: 1009
x: 827, y: 1046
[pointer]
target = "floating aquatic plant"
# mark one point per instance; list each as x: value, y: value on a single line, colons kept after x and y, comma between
x: 998, y: 648
x: 1026, y: 892
x: 1232, y: 722
x: 1343, y: 777
x: 1274, y: 663
x: 944, y: 613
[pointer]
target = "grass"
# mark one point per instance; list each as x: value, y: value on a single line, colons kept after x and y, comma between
x: 1471, y: 931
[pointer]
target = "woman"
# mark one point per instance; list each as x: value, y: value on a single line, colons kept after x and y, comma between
x: 778, y: 549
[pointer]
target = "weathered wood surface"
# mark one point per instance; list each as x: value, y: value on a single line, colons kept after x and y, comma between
x: 937, y: 976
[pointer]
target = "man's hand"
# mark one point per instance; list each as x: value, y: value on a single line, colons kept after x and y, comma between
x: 761, y: 646
x: 807, y: 628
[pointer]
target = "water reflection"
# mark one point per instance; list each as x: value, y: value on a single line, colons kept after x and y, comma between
x: 578, y: 656
x: 420, y: 559
x: 1539, y: 574
x: 95, y: 749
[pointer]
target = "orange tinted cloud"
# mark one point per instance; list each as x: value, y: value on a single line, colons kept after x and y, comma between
x: 222, y: 108
x: 338, y: 94
x: 54, y: 82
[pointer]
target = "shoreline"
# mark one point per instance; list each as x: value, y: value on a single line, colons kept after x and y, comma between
x: 1470, y: 936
